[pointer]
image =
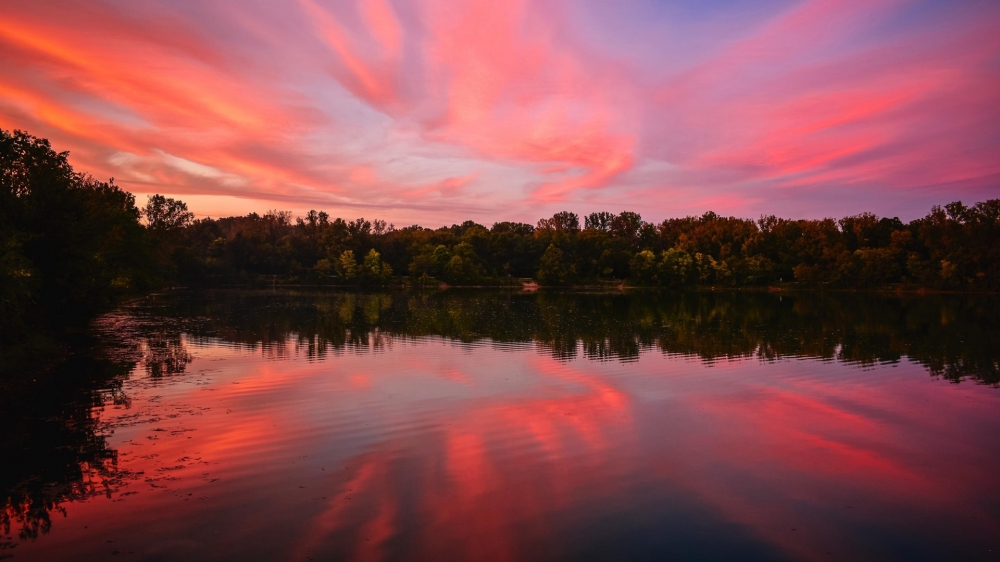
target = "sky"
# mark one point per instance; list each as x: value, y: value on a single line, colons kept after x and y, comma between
x: 433, y: 112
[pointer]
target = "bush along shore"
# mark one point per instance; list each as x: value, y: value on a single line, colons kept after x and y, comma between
x: 71, y: 244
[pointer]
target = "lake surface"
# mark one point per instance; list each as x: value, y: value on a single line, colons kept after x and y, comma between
x: 472, y: 425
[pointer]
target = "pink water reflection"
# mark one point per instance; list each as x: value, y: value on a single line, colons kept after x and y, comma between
x: 436, y: 450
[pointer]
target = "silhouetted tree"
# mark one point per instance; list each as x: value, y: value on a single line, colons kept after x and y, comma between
x: 68, y: 243
x: 166, y: 214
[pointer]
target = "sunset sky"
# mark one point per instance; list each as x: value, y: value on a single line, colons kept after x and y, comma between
x: 438, y: 111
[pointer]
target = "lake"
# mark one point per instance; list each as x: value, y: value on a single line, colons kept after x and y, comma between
x: 507, y: 425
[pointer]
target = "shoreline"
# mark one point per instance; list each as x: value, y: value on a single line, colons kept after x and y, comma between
x: 606, y: 288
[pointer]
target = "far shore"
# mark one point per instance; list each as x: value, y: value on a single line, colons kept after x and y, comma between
x: 611, y: 286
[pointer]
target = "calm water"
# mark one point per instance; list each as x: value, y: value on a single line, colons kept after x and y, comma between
x: 506, y: 426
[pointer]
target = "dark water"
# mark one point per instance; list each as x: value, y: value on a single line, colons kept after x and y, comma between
x: 507, y: 426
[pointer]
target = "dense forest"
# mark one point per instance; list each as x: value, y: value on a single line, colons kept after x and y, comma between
x: 69, y: 244
x: 950, y: 248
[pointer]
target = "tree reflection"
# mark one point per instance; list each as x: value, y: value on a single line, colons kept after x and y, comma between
x: 953, y: 336
x: 53, y: 445
x: 163, y: 354
x: 53, y: 449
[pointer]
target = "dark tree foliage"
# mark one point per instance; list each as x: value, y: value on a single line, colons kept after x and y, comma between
x: 950, y: 249
x: 68, y: 243
x: 164, y: 214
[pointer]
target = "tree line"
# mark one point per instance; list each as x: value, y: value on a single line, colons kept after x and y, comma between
x: 70, y: 243
x: 952, y: 248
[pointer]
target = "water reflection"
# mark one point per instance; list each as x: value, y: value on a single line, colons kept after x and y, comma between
x: 500, y: 425
x: 52, y: 447
x: 955, y: 337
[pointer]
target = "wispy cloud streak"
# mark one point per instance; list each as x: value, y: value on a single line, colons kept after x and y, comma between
x: 423, y: 110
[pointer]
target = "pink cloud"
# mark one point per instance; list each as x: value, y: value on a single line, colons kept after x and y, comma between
x: 513, y: 92
x: 286, y: 107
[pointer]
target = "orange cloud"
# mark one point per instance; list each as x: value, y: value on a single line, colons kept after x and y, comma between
x: 534, y: 104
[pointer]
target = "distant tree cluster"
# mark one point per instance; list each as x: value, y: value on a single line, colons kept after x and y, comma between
x: 69, y: 244
x: 951, y: 248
